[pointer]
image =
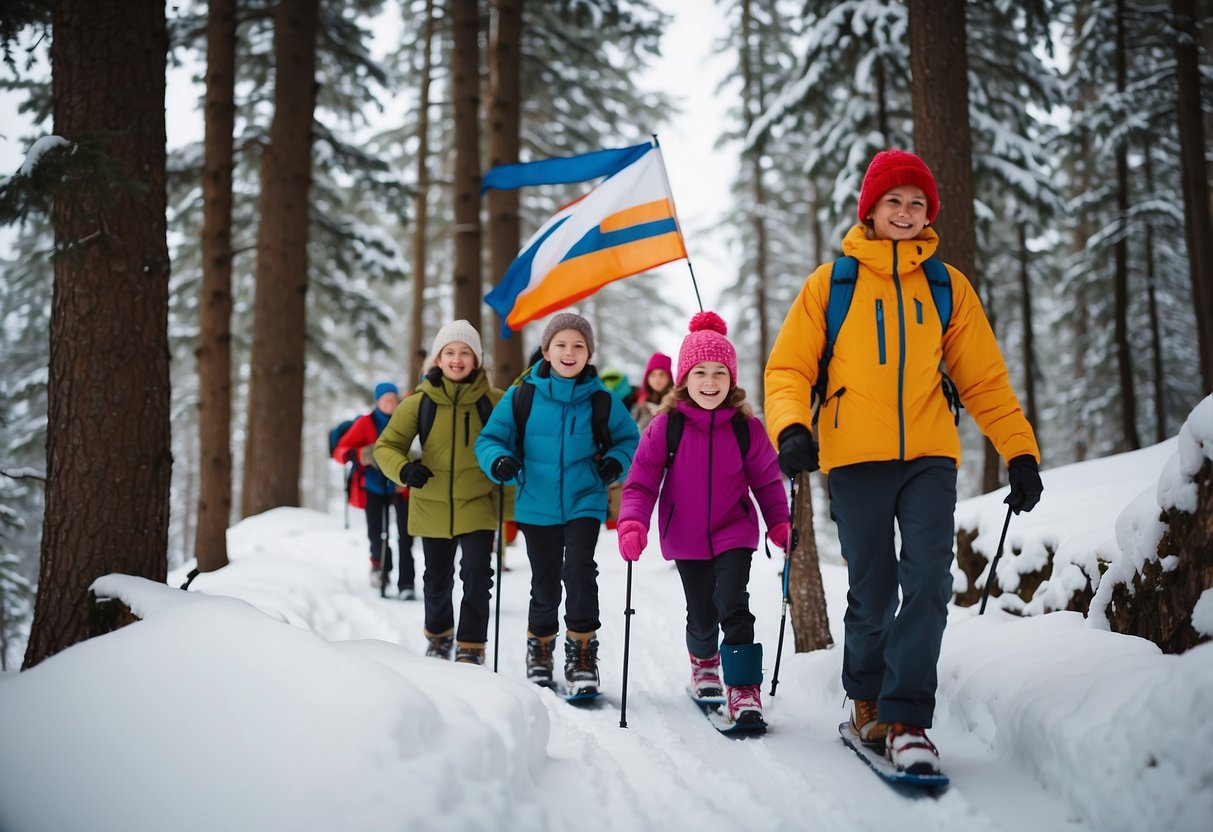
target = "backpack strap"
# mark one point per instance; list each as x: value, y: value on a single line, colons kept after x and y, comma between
x: 940, y: 282
x: 484, y: 409
x: 843, y: 276
x: 600, y: 420
x: 741, y: 429
x: 426, y: 411
x: 673, y: 435
x: 524, y: 397
x: 675, y: 423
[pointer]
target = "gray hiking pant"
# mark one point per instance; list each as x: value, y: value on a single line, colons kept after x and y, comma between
x: 891, y: 655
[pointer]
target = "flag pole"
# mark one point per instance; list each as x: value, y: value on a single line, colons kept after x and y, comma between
x: 670, y: 191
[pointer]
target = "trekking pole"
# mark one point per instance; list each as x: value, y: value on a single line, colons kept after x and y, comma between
x: 500, y: 558
x: 384, y: 568
x: 628, y: 612
x: 985, y: 593
x: 793, y: 539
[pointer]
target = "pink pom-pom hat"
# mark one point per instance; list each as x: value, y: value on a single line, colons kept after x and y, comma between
x: 707, y: 342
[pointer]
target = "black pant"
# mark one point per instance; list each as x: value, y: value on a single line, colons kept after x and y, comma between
x: 563, y: 553
x: 476, y: 573
x: 376, y: 512
x: 717, y: 599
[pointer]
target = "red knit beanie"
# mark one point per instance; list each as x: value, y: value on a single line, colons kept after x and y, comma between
x: 707, y: 342
x: 891, y: 169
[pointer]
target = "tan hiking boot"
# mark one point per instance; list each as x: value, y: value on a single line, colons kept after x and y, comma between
x: 467, y: 652
x: 864, y: 725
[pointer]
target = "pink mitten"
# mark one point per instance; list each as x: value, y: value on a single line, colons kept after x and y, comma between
x: 778, y: 535
x: 633, y: 537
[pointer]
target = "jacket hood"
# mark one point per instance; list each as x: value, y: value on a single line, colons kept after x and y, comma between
x: 558, y: 388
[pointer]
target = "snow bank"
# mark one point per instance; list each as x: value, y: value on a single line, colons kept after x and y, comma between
x: 93, y: 737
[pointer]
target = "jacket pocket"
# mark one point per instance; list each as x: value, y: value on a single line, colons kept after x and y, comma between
x: 880, y: 330
x: 467, y: 428
x: 837, y: 396
x: 669, y: 518
x: 918, y: 310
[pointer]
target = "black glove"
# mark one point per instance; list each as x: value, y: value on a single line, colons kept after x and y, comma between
x: 505, y: 468
x: 797, y: 451
x: 609, y: 469
x: 1026, y: 487
x: 352, y: 456
x: 415, y: 475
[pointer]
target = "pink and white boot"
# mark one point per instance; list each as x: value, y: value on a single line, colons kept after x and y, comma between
x: 705, y: 678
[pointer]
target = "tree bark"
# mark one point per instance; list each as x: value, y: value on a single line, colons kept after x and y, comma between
x: 465, y: 87
x: 109, y: 457
x: 1160, y: 402
x: 806, y: 594
x: 752, y: 104
x: 1197, y: 227
x: 1029, y: 341
x: 273, y: 445
x: 505, y: 126
x: 421, y: 204
x: 214, y: 351
x: 1120, y: 278
x: 939, y: 91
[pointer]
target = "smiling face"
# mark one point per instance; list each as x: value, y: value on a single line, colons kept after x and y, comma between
x: 708, y: 384
x: 568, y: 353
x: 900, y: 214
x: 457, y: 361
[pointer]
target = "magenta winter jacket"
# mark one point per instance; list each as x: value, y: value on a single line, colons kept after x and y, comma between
x: 705, y: 508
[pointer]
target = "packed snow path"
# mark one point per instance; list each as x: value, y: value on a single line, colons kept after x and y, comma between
x: 669, y: 770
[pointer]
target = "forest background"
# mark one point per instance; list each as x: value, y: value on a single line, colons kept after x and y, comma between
x: 181, y: 325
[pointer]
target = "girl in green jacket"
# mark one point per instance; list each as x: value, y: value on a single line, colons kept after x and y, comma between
x: 451, y: 500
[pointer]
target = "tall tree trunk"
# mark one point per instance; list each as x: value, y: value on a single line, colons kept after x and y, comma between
x: 465, y: 87
x: 421, y: 204
x: 806, y: 594
x: 1029, y: 340
x: 1197, y: 227
x: 109, y: 458
x: 1160, y: 402
x: 214, y: 351
x: 752, y: 103
x: 273, y: 447
x: 505, y: 125
x: 1124, y: 358
x: 939, y: 91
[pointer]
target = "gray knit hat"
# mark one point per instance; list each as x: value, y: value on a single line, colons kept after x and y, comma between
x: 567, y: 320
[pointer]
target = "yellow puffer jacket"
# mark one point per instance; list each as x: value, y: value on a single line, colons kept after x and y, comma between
x: 885, y: 400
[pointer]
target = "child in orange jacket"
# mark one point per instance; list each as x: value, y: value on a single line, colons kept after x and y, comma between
x: 888, y: 440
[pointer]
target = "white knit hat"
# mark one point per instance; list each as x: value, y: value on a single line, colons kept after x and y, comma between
x: 459, y: 330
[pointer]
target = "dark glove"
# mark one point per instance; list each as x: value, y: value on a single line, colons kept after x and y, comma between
x: 505, y: 468
x: 609, y: 469
x: 797, y: 451
x: 352, y: 456
x: 1026, y: 487
x: 415, y: 475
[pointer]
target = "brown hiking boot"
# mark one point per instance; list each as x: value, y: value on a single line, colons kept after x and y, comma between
x: 467, y: 652
x: 864, y: 725
x: 581, y: 662
x: 539, y: 658
x: 440, y: 644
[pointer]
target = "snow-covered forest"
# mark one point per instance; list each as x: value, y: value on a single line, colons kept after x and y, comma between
x: 224, y: 222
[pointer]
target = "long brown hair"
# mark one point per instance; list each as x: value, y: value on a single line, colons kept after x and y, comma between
x: 680, y: 393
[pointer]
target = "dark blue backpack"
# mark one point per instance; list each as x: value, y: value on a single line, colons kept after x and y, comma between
x: 843, y: 276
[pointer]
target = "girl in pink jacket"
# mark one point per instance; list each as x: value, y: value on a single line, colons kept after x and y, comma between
x: 699, y: 459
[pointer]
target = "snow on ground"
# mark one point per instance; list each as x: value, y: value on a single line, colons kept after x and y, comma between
x: 282, y: 692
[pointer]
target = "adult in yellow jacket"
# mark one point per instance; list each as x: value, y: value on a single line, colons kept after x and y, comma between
x: 887, y: 438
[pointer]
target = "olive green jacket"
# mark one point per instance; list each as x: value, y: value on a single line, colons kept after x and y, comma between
x: 458, y: 498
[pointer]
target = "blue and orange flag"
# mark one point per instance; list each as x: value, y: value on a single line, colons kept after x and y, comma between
x: 624, y: 226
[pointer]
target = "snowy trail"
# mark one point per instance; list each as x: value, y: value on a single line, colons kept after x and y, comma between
x: 669, y: 770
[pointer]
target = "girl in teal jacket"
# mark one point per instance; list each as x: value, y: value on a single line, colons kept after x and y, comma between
x: 576, y: 440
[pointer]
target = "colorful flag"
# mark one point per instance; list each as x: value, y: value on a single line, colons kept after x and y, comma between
x: 624, y: 226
